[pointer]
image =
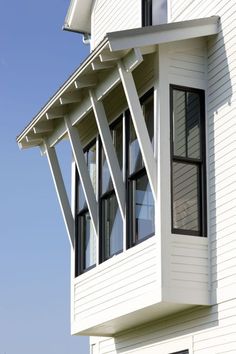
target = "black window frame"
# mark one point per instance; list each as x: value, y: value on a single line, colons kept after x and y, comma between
x: 184, y: 351
x: 106, y: 195
x: 146, y: 13
x: 79, y: 218
x: 131, y: 237
x: 201, y: 163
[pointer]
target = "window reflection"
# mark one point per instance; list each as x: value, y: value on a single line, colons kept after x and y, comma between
x: 113, y: 227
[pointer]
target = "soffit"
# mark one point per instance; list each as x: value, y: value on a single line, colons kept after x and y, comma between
x: 99, y: 72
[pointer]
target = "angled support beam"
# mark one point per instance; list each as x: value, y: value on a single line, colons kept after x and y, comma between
x: 139, y: 125
x: 109, y: 150
x: 61, y: 191
x: 82, y: 168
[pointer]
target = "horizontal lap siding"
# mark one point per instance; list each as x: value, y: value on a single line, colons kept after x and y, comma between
x: 209, y: 330
x: 112, y: 15
x: 189, y: 263
x: 116, y: 284
x: 221, y: 105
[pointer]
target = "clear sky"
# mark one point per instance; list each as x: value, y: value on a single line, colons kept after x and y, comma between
x: 36, y: 57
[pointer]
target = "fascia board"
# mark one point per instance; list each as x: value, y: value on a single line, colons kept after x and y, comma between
x: 78, y: 17
x: 170, y: 32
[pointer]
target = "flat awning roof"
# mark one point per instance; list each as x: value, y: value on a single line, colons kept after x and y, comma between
x: 128, y: 45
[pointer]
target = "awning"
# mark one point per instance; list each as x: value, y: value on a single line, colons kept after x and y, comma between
x: 128, y: 46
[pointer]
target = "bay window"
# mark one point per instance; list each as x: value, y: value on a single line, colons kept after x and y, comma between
x: 139, y: 198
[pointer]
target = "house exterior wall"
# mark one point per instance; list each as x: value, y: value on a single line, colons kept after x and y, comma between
x: 111, y: 16
x: 212, y: 329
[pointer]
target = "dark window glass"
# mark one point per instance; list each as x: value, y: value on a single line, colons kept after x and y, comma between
x: 112, y: 226
x: 186, y: 124
x: 88, y: 241
x: 111, y: 220
x: 188, y: 162
x: 181, y: 352
x: 185, y: 196
x: 146, y: 13
x: 85, y: 250
x: 141, y: 205
x: 135, y: 157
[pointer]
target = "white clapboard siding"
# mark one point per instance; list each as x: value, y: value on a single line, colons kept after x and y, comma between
x: 117, y: 284
x: 189, y: 262
x: 208, y: 330
x: 110, y: 16
x: 221, y: 137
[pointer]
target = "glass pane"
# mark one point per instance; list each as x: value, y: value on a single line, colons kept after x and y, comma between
x: 135, y: 157
x: 186, y: 124
x: 113, y: 226
x: 90, y: 158
x: 185, y: 196
x: 117, y: 138
x: 89, y: 241
x: 81, y: 197
x: 106, y: 176
x: 91, y: 161
x: 144, y: 208
x: 179, y: 123
x: 148, y: 110
x: 117, y: 135
x: 193, y: 125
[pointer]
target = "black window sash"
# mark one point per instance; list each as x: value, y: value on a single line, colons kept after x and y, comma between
x: 201, y: 163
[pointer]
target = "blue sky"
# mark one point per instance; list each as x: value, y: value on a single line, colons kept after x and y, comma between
x: 36, y: 57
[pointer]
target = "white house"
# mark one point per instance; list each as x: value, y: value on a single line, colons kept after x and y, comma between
x: 150, y: 117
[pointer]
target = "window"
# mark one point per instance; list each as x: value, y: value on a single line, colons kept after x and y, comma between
x: 141, y: 203
x: 111, y: 237
x: 139, y: 197
x: 188, y: 161
x: 146, y: 13
x: 181, y: 352
x: 85, y: 240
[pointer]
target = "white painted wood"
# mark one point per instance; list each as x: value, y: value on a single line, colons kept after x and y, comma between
x: 139, y: 125
x: 109, y: 16
x: 70, y: 97
x: 109, y: 150
x: 61, y: 191
x: 85, y: 81
x: 43, y: 127
x: 56, y: 112
x: 82, y: 168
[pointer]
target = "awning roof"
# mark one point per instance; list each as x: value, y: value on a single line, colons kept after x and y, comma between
x: 128, y: 45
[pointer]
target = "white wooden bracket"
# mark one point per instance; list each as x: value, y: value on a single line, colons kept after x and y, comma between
x: 109, y: 150
x: 61, y: 191
x: 82, y: 168
x: 139, y: 125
